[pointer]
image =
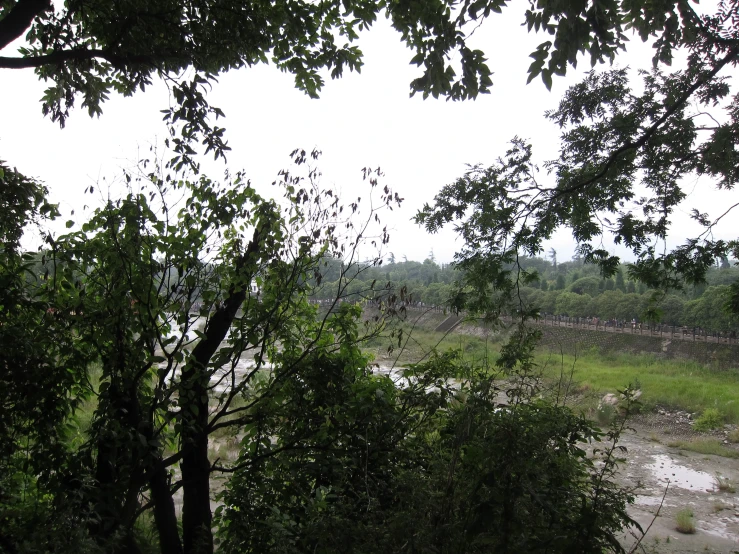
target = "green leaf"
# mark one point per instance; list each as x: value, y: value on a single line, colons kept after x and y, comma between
x: 546, y: 77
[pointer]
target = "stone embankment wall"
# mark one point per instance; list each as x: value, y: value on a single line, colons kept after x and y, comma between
x: 574, y: 340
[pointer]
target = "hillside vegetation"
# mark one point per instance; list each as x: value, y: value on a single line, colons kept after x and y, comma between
x: 571, y: 289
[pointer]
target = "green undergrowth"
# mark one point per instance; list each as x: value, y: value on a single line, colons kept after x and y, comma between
x: 705, y: 446
x: 414, y: 345
x: 681, y: 384
x: 78, y: 426
x: 677, y: 383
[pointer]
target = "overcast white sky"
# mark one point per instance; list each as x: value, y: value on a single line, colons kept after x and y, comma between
x: 360, y: 120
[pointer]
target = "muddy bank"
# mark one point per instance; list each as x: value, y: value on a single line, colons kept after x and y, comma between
x: 668, y: 480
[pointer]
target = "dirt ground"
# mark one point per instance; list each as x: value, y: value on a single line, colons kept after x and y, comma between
x: 652, y: 464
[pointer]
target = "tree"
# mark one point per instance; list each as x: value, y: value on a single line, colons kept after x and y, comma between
x: 42, y: 379
x: 90, y: 49
x: 629, y: 306
x: 111, y: 277
x: 366, y: 478
x: 573, y: 304
x: 710, y: 310
x: 121, y: 48
x: 620, y: 284
x: 177, y: 352
x: 155, y: 321
x: 339, y: 452
x: 672, y: 309
x: 586, y: 285
x: 614, y: 138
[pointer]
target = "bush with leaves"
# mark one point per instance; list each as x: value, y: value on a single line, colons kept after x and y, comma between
x: 158, y: 301
x: 709, y: 420
x: 43, y: 380
x: 418, y: 466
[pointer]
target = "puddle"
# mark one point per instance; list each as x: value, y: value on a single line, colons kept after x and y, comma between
x: 665, y: 468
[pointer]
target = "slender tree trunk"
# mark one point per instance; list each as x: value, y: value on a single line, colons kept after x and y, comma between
x: 197, y: 518
x: 165, y: 517
x: 196, y: 515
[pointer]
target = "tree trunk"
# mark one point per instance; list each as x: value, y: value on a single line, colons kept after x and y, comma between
x: 196, y: 515
x: 20, y: 17
x: 197, y: 518
x: 165, y: 518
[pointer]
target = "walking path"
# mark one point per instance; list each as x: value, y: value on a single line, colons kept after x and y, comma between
x: 664, y: 331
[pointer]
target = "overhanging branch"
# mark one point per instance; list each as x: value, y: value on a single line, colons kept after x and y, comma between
x: 20, y: 17
x: 651, y: 130
x: 117, y: 60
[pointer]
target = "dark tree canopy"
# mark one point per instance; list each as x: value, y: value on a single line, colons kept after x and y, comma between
x: 625, y: 154
x: 93, y: 47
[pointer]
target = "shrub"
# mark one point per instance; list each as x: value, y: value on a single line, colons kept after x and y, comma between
x: 710, y: 419
x: 605, y: 414
x: 724, y: 484
x: 467, y: 477
x: 685, y: 522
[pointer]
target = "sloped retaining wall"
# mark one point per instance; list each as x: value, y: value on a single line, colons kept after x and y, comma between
x: 572, y: 341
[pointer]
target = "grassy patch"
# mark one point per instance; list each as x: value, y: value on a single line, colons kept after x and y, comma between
x: 705, y: 446
x: 720, y: 507
x: 416, y: 343
x: 724, y: 484
x: 684, y: 521
x: 680, y: 383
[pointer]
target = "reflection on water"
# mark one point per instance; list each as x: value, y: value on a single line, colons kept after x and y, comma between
x: 223, y: 379
x: 665, y: 468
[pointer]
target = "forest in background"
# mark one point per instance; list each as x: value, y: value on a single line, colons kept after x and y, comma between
x: 572, y: 288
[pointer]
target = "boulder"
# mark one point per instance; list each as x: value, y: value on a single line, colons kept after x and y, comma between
x: 609, y: 399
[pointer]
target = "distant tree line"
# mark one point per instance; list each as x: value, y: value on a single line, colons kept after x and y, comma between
x: 571, y: 288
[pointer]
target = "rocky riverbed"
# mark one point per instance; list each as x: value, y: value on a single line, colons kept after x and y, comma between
x: 671, y: 479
